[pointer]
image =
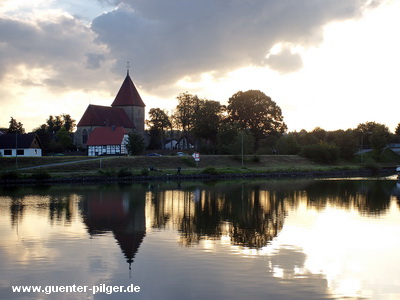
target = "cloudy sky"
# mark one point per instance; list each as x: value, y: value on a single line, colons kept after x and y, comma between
x: 327, y: 63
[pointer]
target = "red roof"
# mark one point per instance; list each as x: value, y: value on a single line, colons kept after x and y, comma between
x: 96, y: 115
x: 101, y: 136
x: 128, y: 95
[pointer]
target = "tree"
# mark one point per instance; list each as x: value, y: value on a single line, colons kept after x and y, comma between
x: 64, y: 138
x: 135, y: 144
x: 185, y: 112
x: 397, y: 132
x: 366, y: 130
x: 379, y: 138
x: 346, y: 141
x: 319, y: 133
x: 158, y: 122
x: 68, y: 122
x: 55, y: 123
x: 231, y: 139
x: 321, y: 153
x: 256, y: 111
x: 15, y: 127
x: 226, y: 136
x: 287, y: 144
x: 207, y: 121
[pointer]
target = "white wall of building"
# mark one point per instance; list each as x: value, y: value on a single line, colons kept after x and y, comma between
x: 31, y: 152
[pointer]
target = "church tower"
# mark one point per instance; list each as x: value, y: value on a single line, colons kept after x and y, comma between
x: 129, y: 100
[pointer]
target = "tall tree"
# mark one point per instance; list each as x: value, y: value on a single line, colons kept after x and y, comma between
x: 397, y: 132
x: 68, y: 122
x: 15, y: 127
x: 135, y: 144
x: 379, y: 138
x: 256, y: 111
x: 64, y: 138
x: 158, y: 123
x: 367, y: 130
x: 55, y: 123
x: 185, y: 111
x: 207, y: 120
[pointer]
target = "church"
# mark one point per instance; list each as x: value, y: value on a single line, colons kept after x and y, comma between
x: 127, y: 112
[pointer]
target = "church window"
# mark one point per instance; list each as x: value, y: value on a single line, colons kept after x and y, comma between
x: 84, y: 136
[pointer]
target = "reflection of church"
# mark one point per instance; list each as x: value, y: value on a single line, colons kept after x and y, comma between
x: 116, y: 212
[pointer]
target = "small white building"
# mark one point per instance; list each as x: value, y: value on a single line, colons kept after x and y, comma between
x: 170, y: 144
x: 27, y: 145
x: 107, y: 141
x: 184, y: 143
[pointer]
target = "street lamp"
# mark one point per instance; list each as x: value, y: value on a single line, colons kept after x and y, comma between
x: 16, y: 150
x: 242, y: 148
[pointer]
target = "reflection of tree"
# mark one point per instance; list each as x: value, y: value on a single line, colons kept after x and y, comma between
x: 17, y: 209
x: 249, y: 216
x: 58, y: 207
x: 252, y: 214
x: 261, y: 219
x: 368, y: 196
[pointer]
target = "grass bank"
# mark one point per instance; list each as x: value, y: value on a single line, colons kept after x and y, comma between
x: 140, y: 167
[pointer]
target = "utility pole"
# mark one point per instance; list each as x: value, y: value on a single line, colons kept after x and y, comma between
x: 16, y: 150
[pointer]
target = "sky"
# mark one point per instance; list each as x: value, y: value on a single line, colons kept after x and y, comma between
x: 326, y: 63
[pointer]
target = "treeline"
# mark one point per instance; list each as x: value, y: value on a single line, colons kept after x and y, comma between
x: 56, y: 134
x: 214, y: 128
x: 252, y: 123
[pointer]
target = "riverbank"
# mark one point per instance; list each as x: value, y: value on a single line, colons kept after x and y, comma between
x: 181, y: 177
x: 55, y: 170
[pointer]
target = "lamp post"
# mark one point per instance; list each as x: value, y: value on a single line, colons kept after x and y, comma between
x: 242, y: 149
x: 16, y: 150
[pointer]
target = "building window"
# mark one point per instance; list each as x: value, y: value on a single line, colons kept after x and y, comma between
x: 20, y: 152
x: 84, y: 136
x: 7, y: 152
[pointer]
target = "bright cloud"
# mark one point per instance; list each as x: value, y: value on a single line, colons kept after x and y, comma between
x: 318, y: 61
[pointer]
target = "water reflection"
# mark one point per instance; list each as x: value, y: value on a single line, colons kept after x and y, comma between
x: 250, y: 213
x: 119, y: 212
x: 269, y: 219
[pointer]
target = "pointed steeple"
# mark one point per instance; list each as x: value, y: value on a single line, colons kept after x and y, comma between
x: 128, y: 94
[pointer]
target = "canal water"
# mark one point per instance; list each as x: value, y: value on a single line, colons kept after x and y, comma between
x: 263, y: 239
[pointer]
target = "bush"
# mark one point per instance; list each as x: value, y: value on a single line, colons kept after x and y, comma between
x: 373, y: 167
x: 210, y: 171
x: 41, y: 175
x: 11, y: 175
x: 145, y: 172
x: 189, y: 161
x: 124, y: 172
x: 107, y: 172
x: 321, y: 153
x: 136, y: 144
x: 288, y: 144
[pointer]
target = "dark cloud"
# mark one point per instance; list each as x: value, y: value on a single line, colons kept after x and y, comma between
x: 171, y: 39
x: 166, y: 40
x: 64, y: 47
x: 94, y: 60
